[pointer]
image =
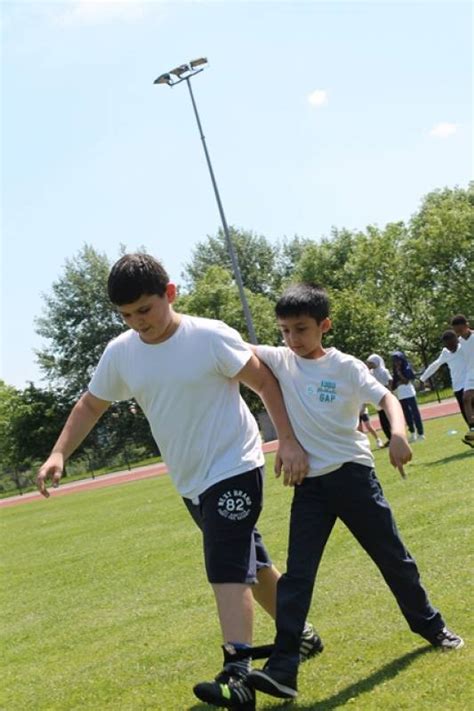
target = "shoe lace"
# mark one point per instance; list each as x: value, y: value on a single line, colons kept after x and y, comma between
x: 446, y: 634
x: 231, y: 674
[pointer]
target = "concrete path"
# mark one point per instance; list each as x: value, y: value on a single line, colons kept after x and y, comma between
x: 429, y: 411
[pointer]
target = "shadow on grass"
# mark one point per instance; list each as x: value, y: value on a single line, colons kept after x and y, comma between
x: 389, y: 671
x: 454, y: 457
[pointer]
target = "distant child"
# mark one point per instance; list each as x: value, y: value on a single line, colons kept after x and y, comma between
x: 402, y: 385
x: 365, y: 426
x: 461, y: 327
x: 377, y: 365
x: 323, y: 389
x: 453, y: 356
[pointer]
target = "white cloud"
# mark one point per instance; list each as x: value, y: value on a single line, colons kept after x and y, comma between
x: 318, y: 97
x: 91, y: 12
x: 444, y: 129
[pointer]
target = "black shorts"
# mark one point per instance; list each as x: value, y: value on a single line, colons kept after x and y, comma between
x: 226, y: 514
x: 364, y: 417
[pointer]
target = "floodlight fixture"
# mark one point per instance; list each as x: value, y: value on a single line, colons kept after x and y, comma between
x: 198, y: 62
x: 182, y: 69
x: 163, y: 79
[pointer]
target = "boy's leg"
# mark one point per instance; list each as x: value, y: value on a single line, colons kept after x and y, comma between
x: 408, y: 414
x: 235, y: 610
x: 310, y: 526
x: 468, y: 400
x: 368, y: 516
x: 227, y: 514
x: 385, y: 424
x: 459, y: 395
x: 417, y: 417
x: 264, y: 591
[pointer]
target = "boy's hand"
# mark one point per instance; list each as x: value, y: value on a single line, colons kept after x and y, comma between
x: 293, y: 460
x: 51, y: 469
x: 400, y: 452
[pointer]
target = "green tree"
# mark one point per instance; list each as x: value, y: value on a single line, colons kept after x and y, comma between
x: 216, y: 296
x: 325, y: 262
x: 290, y: 252
x: 440, y: 251
x: 359, y: 326
x: 8, y: 405
x: 435, y: 268
x: 256, y: 256
x: 78, y: 322
x: 35, y: 422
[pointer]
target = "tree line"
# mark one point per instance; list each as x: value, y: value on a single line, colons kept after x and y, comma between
x: 391, y: 288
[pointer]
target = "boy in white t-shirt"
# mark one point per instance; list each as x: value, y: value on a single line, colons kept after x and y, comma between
x: 323, y: 389
x: 461, y: 327
x: 453, y: 356
x: 184, y: 372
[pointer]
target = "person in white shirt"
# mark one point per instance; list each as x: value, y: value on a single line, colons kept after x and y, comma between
x: 377, y: 365
x: 366, y: 426
x: 184, y: 372
x: 461, y: 327
x: 323, y: 388
x: 453, y: 356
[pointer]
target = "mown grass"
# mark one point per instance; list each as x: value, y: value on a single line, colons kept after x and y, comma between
x: 105, y: 603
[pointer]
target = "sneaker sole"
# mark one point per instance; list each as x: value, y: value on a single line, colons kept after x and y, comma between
x: 468, y: 442
x: 447, y: 648
x: 260, y: 681
x: 204, y: 694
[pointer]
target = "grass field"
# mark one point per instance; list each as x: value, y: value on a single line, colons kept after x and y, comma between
x: 105, y: 604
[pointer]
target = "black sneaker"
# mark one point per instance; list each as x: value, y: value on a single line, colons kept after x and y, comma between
x: 445, y: 639
x: 311, y: 644
x: 469, y: 441
x: 275, y: 682
x: 229, y: 689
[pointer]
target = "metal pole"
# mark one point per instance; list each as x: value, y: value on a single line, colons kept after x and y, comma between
x: 230, y: 246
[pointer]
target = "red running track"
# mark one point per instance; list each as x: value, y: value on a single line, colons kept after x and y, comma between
x: 430, y: 411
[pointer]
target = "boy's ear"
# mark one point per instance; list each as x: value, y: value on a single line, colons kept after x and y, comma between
x: 325, y: 325
x: 171, y: 292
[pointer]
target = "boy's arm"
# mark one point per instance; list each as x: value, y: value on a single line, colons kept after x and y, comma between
x: 432, y: 368
x: 399, y: 449
x: 290, y: 457
x: 82, y: 418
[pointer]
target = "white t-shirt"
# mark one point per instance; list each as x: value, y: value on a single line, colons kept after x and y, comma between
x: 184, y: 385
x: 323, y: 398
x: 456, y: 363
x: 405, y: 390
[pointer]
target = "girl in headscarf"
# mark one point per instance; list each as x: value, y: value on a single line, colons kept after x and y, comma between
x: 403, y: 377
x: 379, y: 371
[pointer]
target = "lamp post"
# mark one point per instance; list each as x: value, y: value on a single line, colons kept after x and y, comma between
x: 175, y: 76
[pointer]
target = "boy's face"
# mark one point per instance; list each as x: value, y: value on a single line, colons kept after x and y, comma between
x: 303, y: 335
x: 151, y: 316
x: 451, y: 344
x: 462, y: 330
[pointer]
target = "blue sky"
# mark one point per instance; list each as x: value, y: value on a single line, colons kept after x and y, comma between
x: 315, y: 113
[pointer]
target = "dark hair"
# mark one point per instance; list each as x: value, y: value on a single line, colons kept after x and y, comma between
x: 449, y: 336
x: 135, y: 275
x: 304, y: 300
x: 459, y: 320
